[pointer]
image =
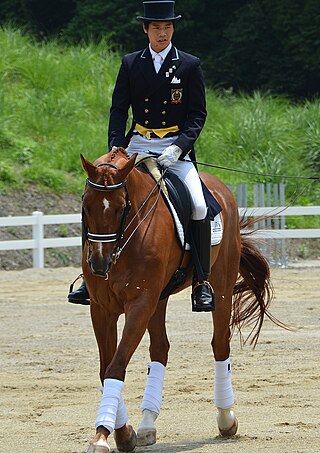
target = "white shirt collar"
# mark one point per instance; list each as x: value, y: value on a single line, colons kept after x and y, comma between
x: 163, y: 53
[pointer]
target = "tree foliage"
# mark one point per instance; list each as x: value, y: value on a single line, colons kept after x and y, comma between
x: 245, y: 45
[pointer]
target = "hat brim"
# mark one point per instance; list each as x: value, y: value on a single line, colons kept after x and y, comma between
x: 154, y: 19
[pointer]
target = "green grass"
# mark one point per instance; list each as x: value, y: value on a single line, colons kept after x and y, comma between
x: 54, y: 105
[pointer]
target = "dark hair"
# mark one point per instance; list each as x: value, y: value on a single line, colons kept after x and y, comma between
x: 146, y: 23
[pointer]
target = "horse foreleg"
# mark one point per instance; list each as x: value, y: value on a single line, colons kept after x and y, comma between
x: 105, y: 328
x: 223, y: 392
x: 137, y: 315
x: 152, y: 398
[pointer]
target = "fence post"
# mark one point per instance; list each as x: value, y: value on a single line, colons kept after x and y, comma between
x: 37, y: 235
x: 283, y: 226
x: 242, y: 195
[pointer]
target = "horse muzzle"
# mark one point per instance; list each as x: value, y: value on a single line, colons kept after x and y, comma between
x: 99, y: 266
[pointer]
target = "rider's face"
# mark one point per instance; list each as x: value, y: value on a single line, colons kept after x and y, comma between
x: 159, y: 34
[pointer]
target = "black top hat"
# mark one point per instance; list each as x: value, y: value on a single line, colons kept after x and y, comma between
x: 158, y: 11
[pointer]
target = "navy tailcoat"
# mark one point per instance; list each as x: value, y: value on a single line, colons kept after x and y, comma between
x: 173, y: 97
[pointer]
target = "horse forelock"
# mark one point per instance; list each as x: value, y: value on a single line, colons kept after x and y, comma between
x: 115, y: 153
x: 107, y: 175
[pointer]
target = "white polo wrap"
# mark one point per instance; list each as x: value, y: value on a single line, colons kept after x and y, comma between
x: 152, y: 398
x: 223, y: 393
x: 112, y: 412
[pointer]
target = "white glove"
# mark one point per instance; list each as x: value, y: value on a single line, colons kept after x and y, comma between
x: 169, y: 156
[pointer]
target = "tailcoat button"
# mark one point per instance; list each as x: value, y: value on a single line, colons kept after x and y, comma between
x: 146, y: 122
x: 165, y: 102
x: 164, y: 123
x: 146, y: 100
x: 164, y: 112
x: 146, y: 111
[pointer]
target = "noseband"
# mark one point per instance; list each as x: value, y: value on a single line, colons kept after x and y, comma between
x: 111, y: 237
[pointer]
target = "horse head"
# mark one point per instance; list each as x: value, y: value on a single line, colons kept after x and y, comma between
x: 105, y: 207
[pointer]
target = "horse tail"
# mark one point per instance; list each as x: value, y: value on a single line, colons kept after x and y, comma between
x: 253, y: 291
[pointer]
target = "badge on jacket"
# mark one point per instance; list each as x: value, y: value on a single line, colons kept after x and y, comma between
x: 176, y: 95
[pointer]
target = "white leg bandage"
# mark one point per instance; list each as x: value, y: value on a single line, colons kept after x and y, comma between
x: 122, y: 415
x: 223, y: 393
x: 111, y: 403
x: 152, y: 397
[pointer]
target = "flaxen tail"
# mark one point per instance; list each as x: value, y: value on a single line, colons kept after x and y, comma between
x: 253, y: 292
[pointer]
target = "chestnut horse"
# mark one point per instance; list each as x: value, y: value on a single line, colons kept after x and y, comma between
x: 130, y: 255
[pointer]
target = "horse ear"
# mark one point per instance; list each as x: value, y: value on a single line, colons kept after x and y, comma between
x: 125, y: 170
x: 88, y: 167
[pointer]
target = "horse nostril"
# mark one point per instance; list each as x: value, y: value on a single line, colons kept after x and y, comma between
x: 100, y: 267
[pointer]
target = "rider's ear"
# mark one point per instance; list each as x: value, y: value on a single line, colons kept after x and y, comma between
x: 125, y: 170
x: 88, y: 167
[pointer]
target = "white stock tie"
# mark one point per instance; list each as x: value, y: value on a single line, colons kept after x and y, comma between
x: 157, y: 62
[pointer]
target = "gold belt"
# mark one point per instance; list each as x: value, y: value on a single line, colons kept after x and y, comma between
x: 158, y: 132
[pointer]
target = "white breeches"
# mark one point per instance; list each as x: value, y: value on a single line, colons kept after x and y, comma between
x: 183, y: 168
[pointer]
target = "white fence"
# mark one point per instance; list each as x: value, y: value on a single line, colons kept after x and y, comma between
x: 38, y: 242
x: 38, y: 220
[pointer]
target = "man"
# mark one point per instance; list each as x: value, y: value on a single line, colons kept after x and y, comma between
x: 164, y: 87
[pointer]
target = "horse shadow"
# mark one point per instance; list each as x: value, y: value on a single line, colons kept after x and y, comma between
x: 186, y: 446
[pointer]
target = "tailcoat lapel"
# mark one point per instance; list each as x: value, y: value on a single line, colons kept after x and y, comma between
x: 169, y: 66
x: 147, y: 67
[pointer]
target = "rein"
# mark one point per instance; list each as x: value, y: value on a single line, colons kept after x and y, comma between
x: 158, y: 184
x: 312, y: 178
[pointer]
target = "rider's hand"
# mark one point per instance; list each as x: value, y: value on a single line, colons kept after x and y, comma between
x: 169, y: 156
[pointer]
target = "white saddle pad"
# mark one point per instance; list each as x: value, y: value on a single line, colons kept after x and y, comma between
x: 216, y: 228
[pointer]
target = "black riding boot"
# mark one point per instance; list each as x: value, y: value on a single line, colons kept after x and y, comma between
x: 81, y: 295
x: 202, y: 293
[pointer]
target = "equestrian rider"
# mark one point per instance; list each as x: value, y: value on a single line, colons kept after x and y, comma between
x: 165, y: 89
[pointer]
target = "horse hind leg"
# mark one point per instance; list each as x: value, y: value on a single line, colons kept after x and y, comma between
x: 227, y: 422
x: 223, y: 392
x: 224, y: 399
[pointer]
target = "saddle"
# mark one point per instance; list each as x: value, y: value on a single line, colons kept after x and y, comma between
x: 176, y: 196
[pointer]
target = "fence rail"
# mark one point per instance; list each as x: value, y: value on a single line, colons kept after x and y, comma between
x: 38, y: 220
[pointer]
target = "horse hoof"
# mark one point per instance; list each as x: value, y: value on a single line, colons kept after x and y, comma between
x: 230, y: 431
x: 126, y: 445
x: 98, y: 448
x: 146, y: 437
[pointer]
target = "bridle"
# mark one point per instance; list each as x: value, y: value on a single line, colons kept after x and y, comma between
x: 119, y: 235
x: 111, y: 237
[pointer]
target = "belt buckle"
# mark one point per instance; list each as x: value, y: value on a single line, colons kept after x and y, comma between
x: 148, y: 135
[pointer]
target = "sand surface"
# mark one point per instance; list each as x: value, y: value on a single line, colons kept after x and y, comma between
x: 50, y: 386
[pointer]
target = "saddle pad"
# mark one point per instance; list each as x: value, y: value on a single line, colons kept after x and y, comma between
x: 216, y: 223
x: 216, y: 227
